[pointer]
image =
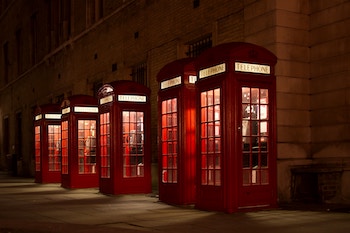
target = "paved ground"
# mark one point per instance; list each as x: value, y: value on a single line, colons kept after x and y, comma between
x: 43, y: 208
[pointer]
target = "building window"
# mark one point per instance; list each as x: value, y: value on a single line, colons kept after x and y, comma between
x: 94, y: 11
x: 195, y: 48
x: 96, y: 87
x: 34, y: 37
x: 99, y: 9
x: 139, y: 73
x: 65, y: 21
x: 19, y: 47
x: 6, y: 62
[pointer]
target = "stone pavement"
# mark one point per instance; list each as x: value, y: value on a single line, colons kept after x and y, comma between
x: 42, y: 208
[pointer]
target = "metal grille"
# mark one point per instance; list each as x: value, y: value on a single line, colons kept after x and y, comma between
x: 197, y: 47
x: 139, y: 73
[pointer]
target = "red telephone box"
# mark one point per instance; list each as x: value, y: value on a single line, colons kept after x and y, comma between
x: 78, y: 133
x: 176, y: 130
x: 124, y: 144
x: 47, y: 138
x: 236, y: 122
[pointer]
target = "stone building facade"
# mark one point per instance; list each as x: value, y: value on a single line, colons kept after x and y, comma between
x: 51, y: 49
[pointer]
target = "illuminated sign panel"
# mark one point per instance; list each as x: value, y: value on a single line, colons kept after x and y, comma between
x: 252, y: 68
x: 66, y: 110
x: 38, y: 117
x: 170, y: 82
x: 192, y: 79
x: 212, y: 70
x: 52, y: 116
x: 86, y: 109
x: 132, y: 98
x: 106, y: 99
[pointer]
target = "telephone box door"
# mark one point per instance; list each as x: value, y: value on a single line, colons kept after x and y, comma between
x: 257, y: 153
x: 124, y: 138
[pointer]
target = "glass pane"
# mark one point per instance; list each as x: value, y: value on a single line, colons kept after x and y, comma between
x: 255, y: 160
x: 264, y: 113
x: 218, y: 145
x: 210, y: 113
x: 204, y: 99
x: 263, y: 159
x: 246, y: 144
x: 217, y: 96
x: 164, y: 108
x: 174, y: 105
x: 210, y: 96
x: 255, y: 95
x: 264, y: 96
x: 245, y: 95
x: 255, y: 129
x: 204, y: 129
x: 204, y: 117
x: 263, y: 144
x: 174, y: 119
x: 246, y: 111
x: 211, y: 130
x: 263, y: 128
x: 246, y: 160
x: 217, y: 113
x: 217, y: 177
x: 254, y: 112
x: 217, y: 129
x: 218, y: 162
x: 245, y: 128
x: 211, y: 146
